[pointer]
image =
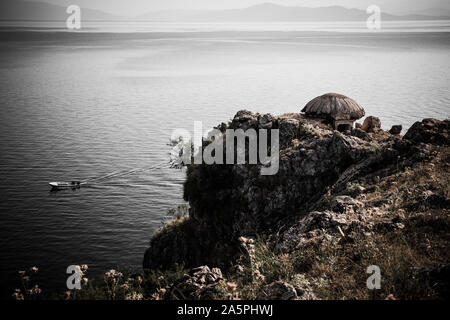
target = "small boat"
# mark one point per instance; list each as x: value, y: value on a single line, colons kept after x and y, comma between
x: 65, y: 185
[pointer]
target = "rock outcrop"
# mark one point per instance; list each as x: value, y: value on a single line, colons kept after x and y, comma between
x: 371, y: 124
x: 311, y: 160
x: 201, y: 283
x: 319, y: 192
x: 429, y: 131
x: 346, y: 204
x: 396, y: 129
x: 310, y: 227
x: 278, y: 291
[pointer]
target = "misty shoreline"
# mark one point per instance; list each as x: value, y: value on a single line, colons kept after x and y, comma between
x: 391, y: 39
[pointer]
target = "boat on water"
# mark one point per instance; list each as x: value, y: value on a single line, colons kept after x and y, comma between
x: 65, y: 185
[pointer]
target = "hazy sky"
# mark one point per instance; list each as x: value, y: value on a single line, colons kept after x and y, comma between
x: 135, y: 7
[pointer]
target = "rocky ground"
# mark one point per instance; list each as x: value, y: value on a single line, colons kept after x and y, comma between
x: 341, y: 201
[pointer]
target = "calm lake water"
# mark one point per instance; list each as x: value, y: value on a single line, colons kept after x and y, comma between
x: 83, y: 105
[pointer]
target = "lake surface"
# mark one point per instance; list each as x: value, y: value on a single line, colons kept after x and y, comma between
x: 83, y: 105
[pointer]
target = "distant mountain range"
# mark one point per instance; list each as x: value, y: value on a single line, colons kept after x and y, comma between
x: 39, y: 11
x: 272, y: 12
x: 24, y: 10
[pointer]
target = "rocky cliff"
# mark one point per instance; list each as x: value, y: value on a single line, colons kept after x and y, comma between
x: 341, y: 201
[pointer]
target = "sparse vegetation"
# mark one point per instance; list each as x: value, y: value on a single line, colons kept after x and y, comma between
x: 29, y: 290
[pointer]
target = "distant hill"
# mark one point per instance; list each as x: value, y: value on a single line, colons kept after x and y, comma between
x: 436, y: 12
x: 272, y: 12
x: 26, y: 10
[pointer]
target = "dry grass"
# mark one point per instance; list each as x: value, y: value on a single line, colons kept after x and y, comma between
x: 405, y: 187
x: 337, y: 270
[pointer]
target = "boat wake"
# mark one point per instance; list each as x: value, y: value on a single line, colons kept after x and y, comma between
x: 102, y: 179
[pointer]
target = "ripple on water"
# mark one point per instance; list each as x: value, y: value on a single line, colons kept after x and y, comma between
x: 58, y: 122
